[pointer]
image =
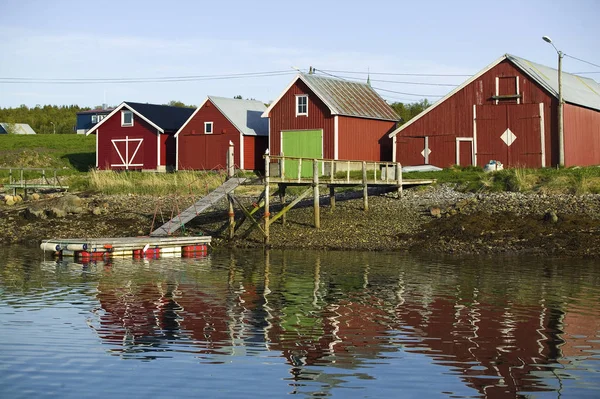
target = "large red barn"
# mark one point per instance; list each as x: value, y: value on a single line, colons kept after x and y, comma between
x: 507, y: 112
x: 321, y: 117
x: 203, y: 140
x: 136, y: 136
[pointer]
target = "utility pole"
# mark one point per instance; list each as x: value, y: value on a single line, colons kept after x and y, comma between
x: 559, y: 113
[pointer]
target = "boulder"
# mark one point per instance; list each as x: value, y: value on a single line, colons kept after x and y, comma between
x: 34, y: 212
x: 435, y: 211
x: 57, y: 213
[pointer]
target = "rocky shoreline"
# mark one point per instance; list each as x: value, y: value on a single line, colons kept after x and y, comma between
x: 435, y: 219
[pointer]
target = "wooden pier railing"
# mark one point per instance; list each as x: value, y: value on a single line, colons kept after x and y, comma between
x: 33, y: 179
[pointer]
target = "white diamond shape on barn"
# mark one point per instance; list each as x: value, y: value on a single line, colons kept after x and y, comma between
x: 508, y: 137
x: 428, y: 152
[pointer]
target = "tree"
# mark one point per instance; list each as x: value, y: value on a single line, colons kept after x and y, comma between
x: 410, y: 110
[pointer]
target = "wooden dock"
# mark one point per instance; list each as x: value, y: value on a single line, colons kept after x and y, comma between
x: 88, y: 248
x: 30, y: 180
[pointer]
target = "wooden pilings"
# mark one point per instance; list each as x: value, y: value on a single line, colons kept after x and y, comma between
x: 372, y: 174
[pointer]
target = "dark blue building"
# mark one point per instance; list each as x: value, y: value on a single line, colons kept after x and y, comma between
x: 87, y: 119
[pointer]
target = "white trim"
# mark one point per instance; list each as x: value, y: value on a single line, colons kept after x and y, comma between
x: 241, y: 151
x: 123, y: 124
x: 456, y: 90
x: 158, y: 150
x: 458, y: 140
x: 542, y: 135
x: 518, y: 98
x: 127, y: 161
x: 394, y: 149
x: 176, y: 153
x: 212, y: 127
x: 268, y: 110
x: 426, y: 150
x: 497, y: 88
x: 298, y: 97
x: 97, y: 138
x: 114, y: 111
x: 475, y: 134
x: 336, y: 138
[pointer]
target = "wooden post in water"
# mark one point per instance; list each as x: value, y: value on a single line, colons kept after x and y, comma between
x: 332, y: 197
x: 399, y: 178
x: 267, y: 197
x: 365, y: 188
x: 316, y: 194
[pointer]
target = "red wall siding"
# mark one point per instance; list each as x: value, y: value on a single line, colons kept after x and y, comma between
x: 254, y: 149
x: 582, y: 135
x: 364, y: 139
x: 454, y: 117
x: 205, y: 152
x: 283, y: 117
x: 112, y: 129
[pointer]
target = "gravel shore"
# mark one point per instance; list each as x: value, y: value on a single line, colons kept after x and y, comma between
x: 435, y: 219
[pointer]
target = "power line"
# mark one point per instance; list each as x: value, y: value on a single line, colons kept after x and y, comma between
x: 145, y: 80
x: 389, y: 91
x: 407, y: 83
x: 579, y: 59
x: 408, y: 94
x: 395, y: 74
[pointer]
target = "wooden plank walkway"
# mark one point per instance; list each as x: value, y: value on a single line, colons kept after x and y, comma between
x: 200, y: 206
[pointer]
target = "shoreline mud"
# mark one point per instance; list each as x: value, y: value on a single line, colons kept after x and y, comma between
x: 435, y: 219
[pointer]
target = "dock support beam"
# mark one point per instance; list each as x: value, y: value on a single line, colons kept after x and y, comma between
x: 231, y: 217
x: 282, y: 188
x: 332, y: 197
x: 316, y: 194
x: 399, y: 178
x: 267, y: 198
x: 365, y: 187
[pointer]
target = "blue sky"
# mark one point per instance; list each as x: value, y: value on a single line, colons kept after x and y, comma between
x: 151, y: 39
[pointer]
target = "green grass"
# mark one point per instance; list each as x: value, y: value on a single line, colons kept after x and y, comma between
x: 74, y: 158
x: 69, y: 152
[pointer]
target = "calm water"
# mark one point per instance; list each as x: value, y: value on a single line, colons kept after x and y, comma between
x: 248, y: 324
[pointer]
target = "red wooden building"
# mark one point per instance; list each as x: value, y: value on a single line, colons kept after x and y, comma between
x: 329, y: 118
x: 138, y: 136
x: 203, y: 140
x: 507, y: 112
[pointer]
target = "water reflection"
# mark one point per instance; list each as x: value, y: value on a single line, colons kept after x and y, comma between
x: 503, y: 327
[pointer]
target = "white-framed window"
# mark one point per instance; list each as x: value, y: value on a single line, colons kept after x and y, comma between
x: 100, y: 117
x: 94, y: 118
x: 302, y: 105
x: 208, y: 127
x: 126, y: 118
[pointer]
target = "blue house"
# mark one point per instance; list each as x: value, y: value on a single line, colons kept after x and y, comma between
x: 87, y: 119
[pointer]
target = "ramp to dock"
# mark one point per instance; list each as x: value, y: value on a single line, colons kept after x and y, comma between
x: 200, y: 206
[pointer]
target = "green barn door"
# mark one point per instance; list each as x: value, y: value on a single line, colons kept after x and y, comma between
x: 301, y: 143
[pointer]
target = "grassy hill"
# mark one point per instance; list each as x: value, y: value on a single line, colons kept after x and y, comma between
x: 74, y: 157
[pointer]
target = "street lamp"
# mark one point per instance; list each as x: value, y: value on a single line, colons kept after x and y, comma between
x: 53, y: 127
x: 561, y: 137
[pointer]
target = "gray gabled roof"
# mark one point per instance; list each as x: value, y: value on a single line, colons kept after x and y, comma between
x: 245, y: 115
x: 16, y: 128
x: 346, y: 98
x: 575, y: 89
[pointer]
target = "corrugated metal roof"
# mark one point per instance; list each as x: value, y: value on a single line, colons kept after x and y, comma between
x: 17, y: 128
x: 245, y: 115
x: 164, y: 116
x: 349, y: 98
x: 576, y: 89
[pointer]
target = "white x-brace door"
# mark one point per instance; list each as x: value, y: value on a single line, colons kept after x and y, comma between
x: 128, y: 153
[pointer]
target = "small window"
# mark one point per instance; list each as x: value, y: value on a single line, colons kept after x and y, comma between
x: 302, y: 105
x: 94, y: 118
x: 100, y: 117
x: 126, y: 118
x: 208, y: 127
